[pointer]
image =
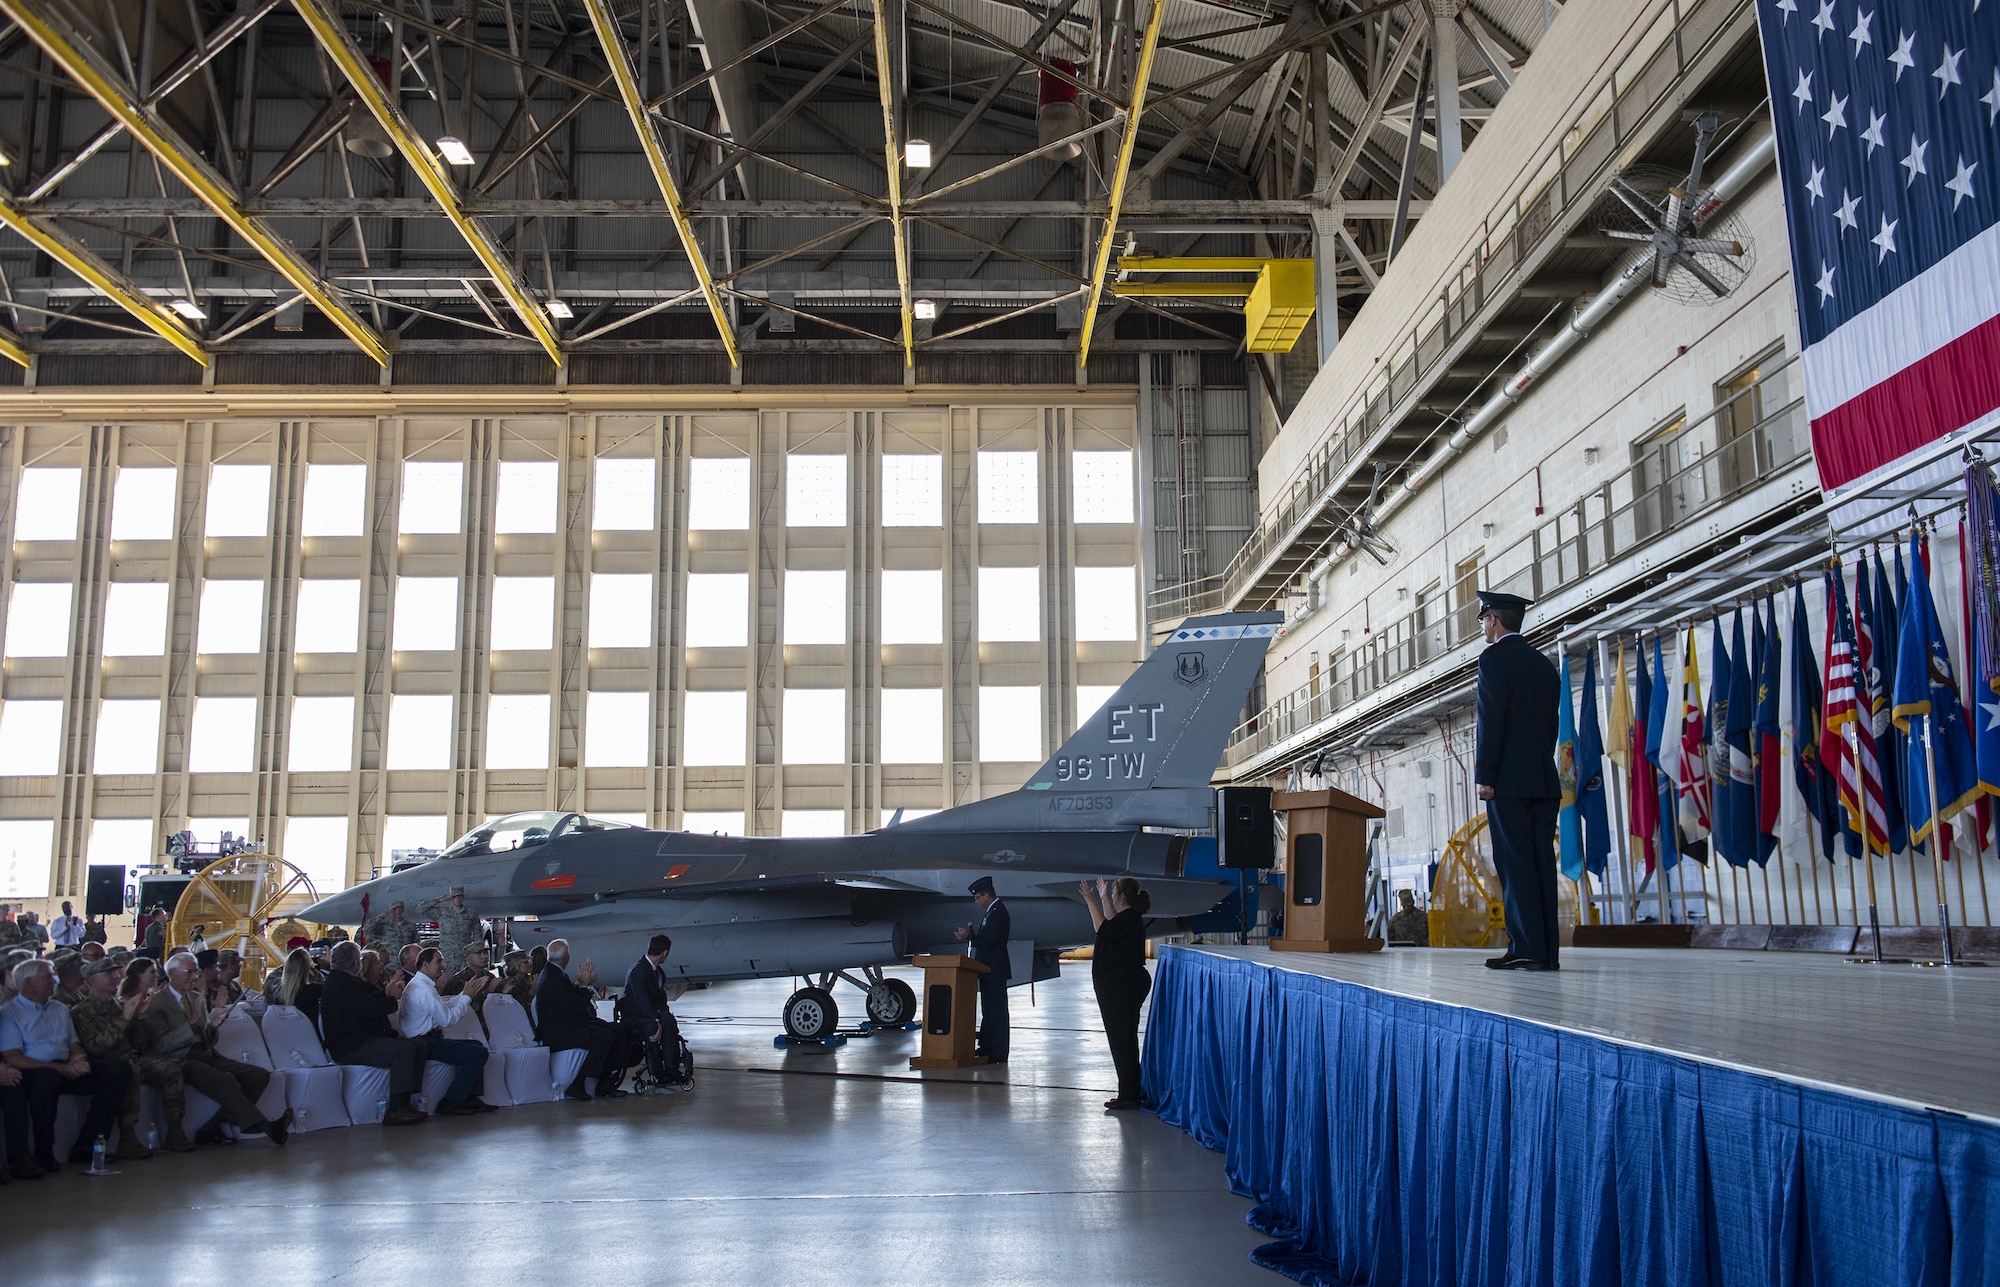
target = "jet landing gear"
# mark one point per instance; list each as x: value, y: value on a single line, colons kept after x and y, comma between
x: 811, y: 1013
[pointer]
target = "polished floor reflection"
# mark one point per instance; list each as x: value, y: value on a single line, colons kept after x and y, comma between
x: 803, y: 1165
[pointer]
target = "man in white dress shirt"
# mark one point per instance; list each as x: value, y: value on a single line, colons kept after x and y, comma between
x: 67, y: 929
x: 424, y: 1015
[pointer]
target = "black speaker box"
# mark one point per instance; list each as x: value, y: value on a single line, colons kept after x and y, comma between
x: 1243, y: 834
x: 105, y: 895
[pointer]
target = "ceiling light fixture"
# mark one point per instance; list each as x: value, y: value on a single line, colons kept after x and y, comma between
x: 917, y: 154
x: 559, y: 309
x: 924, y: 309
x: 187, y: 308
x: 454, y: 150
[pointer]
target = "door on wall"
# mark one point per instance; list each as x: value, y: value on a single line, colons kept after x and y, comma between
x: 1663, y: 491
x: 1465, y: 599
x: 1743, y: 455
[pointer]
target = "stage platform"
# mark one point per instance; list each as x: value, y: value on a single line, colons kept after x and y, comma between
x: 1643, y: 1116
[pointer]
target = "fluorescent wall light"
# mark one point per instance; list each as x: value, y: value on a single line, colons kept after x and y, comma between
x: 454, y: 150
x: 187, y: 308
x: 559, y: 309
x: 925, y: 309
x: 917, y: 154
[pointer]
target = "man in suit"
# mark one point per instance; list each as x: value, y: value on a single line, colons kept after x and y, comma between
x: 989, y: 948
x: 354, y: 1021
x: 646, y: 1008
x: 1514, y: 767
x: 179, y: 1024
x: 566, y: 1019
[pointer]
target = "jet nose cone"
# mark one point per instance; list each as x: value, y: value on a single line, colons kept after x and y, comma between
x: 339, y: 909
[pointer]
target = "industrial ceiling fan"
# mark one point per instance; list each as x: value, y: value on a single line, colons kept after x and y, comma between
x: 1698, y: 255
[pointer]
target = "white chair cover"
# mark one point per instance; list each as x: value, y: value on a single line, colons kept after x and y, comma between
x: 309, y: 1081
x: 291, y: 1041
x: 361, y: 1090
x: 467, y: 1028
x: 437, y: 1080
x: 529, y: 1074
x: 239, y: 1038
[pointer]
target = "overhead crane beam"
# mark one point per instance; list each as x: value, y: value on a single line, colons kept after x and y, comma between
x: 333, y: 37
x: 112, y: 284
x: 606, y: 25
x: 1141, y: 75
x: 894, y: 156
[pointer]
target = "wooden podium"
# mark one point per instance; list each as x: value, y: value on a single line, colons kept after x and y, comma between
x: 950, y: 1011
x: 1326, y: 871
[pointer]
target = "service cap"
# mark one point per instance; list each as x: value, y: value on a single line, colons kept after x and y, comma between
x: 1491, y: 599
x: 103, y: 965
x: 207, y: 957
x: 984, y: 885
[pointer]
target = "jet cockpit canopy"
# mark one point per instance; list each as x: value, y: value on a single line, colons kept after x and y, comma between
x: 520, y: 830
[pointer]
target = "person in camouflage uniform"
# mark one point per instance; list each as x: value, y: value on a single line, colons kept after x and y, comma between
x: 476, y: 954
x: 457, y: 927
x: 519, y: 981
x: 68, y: 965
x: 389, y: 933
x: 101, y: 1022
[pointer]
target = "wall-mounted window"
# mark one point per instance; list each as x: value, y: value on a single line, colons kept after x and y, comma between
x: 318, y: 847
x: 1107, y: 603
x: 1010, y: 723
x: 27, y: 854
x: 621, y: 610
x: 128, y: 736
x: 413, y: 831
x: 239, y: 500
x: 815, y: 607
x: 622, y: 495
x: 30, y: 738
x: 420, y: 731
x: 816, y: 491
x: 1010, y: 605
x: 618, y: 730
x: 135, y: 619
x: 232, y: 617
x: 47, y: 504
x: 526, y: 499
x: 329, y: 616
x: 1101, y: 483
x: 322, y: 735
x: 222, y: 736
x: 335, y: 502
x: 812, y: 822
x: 713, y: 822
x: 38, y: 619
x: 717, y: 610
x: 123, y: 842
x: 713, y: 730
x: 718, y: 495
x: 517, y: 731
x: 912, y: 726
x: 912, y: 491
x: 1090, y: 699
x: 426, y: 614
x: 815, y: 726
x: 524, y: 613
x: 913, y: 607
x: 1007, y: 484
x: 143, y: 504
x: 433, y: 497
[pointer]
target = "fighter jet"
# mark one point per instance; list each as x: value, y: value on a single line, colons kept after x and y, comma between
x: 1117, y: 799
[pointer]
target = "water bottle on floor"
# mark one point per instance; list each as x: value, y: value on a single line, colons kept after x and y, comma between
x: 97, y: 1152
x: 153, y: 1138
x: 417, y: 1102
x: 381, y: 1110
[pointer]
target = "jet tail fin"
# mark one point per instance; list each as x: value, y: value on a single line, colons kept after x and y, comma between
x: 1167, y: 724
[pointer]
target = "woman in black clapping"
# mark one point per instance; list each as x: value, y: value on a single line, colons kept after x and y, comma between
x: 1118, y: 972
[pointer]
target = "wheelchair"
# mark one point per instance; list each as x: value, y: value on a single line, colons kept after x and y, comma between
x: 656, y: 1071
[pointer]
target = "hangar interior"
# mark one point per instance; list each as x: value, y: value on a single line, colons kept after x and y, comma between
x: 788, y: 420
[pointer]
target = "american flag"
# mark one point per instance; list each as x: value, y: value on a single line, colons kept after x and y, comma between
x: 1888, y: 133
x: 1847, y: 741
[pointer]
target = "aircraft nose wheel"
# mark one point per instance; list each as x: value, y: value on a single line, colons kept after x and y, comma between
x: 891, y: 1003
x: 811, y: 1015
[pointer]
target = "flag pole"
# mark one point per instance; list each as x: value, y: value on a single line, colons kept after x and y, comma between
x: 1937, y: 834
x: 1867, y: 851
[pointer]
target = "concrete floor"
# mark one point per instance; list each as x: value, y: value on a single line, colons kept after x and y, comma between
x: 783, y: 1166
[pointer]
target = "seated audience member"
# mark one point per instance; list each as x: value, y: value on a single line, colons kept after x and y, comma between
x: 519, y: 981
x: 38, y: 1040
x: 406, y: 960
x: 371, y: 967
x: 208, y: 963
x: 229, y: 973
x: 646, y: 1004
x: 299, y: 985
x: 566, y: 1019
x: 9, y: 962
x: 16, y: 1139
x: 354, y: 1019
x: 101, y: 1025
x: 474, y: 970
x: 92, y: 949
x: 424, y: 1015
x: 178, y: 1026
x: 68, y: 965
x: 538, y: 960
x: 140, y: 980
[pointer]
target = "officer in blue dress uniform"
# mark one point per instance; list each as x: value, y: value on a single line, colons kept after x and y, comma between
x: 989, y: 947
x: 1514, y: 767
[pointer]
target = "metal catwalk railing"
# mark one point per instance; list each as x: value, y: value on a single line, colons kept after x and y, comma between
x: 1544, y: 208
x: 1680, y: 480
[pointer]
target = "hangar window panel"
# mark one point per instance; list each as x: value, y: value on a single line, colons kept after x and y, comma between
x: 30, y: 738
x: 433, y: 497
x: 524, y: 613
x: 912, y: 491
x: 617, y: 730
x: 1090, y: 699
x: 48, y: 504
x: 718, y: 495
x: 329, y: 617
x: 135, y: 619
x: 815, y: 726
x: 909, y: 815
x: 815, y: 607
x: 717, y: 613
x: 913, y: 607
x: 419, y: 731
x: 812, y: 822
x: 517, y: 731
x: 322, y: 738
x: 1010, y: 605
x: 1007, y: 487
x: 1107, y: 603
x: 525, y: 500
x: 405, y: 831
x: 143, y: 504
x: 1101, y: 482
x: 335, y: 502
x: 612, y: 815
x: 913, y: 726
x: 1010, y: 723
x: 127, y: 842
x: 209, y: 831
x: 621, y: 610
x: 622, y: 496
x: 27, y: 853
x: 239, y: 500
x: 712, y: 729
x: 222, y: 738
x: 426, y: 614
x: 318, y: 847
x: 232, y: 617
x: 713, y: 822
x: 38, y: 619
x: 128, y: 736
x: 816, y: 491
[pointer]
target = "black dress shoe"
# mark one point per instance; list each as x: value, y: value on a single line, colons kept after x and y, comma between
x: 1519, y: 963
x: 1122, y: 1105
x: 613, y: 1093
x: 1506, y: 962
x: 1540, y: 965
x: 479, y: 1105
x: 579, y: 1095
x: 452, y: 1108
